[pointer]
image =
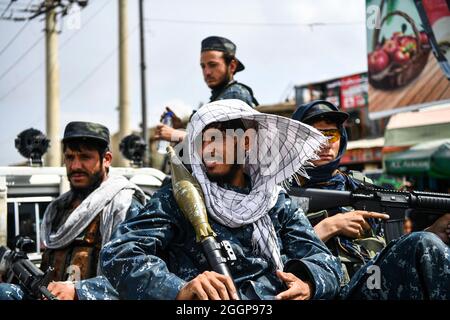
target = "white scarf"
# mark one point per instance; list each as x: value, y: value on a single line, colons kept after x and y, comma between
x: 290, y: 145
x: 111, y: 199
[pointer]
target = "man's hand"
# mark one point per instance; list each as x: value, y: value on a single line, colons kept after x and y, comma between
x: 176, y: 121
x: 209, y: 285
x: 353, y: 224
x: 63, y: 290
x: 164, y: 132
x: 441, y: 227
x: 297, y: 289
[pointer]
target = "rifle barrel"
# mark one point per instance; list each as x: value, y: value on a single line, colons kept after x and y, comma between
x: 320, y: 199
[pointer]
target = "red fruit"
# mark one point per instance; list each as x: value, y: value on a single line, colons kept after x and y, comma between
x: 401, y: 56
x: 397, y: 35
x: 390, y: 47
x: 423, y: 38
x: 408, y: 43
x: 378, y: 61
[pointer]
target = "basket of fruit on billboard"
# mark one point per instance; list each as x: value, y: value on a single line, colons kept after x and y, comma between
x: 397, y: 61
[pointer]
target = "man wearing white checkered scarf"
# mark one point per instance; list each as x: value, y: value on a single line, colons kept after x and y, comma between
x: 282, y: 148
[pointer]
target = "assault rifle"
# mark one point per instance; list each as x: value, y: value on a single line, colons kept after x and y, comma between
x: 16, y: 265
x: 423, y: 208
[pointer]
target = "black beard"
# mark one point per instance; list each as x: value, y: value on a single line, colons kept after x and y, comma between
x: 223, y: 84
x: 82, y: 193
x: 225, y: 179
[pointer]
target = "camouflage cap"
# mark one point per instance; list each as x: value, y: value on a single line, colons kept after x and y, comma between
x: 215, y: 43
x: 81, y: 129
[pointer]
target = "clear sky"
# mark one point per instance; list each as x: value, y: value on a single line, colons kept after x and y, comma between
x: 281, y: 42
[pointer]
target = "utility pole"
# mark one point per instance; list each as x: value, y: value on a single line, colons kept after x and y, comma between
x: 124, y: 108
x: 51, y: 9
x: 53, y: 156
x: 143, y: 84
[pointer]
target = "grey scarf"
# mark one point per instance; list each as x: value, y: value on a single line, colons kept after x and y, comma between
x: 111, y: 200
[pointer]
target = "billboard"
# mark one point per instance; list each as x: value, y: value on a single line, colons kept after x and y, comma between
x: 348, y: 92
x: 408, y: 46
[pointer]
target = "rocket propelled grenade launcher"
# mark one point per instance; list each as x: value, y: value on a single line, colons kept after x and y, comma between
x: 189, y: 197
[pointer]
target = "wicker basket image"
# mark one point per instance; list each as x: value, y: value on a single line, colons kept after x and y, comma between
x: 397, y: 74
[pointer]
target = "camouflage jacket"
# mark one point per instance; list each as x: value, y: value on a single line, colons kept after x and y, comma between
x: 154, y: 254
x: 235, y: 90
x: 354, y: 253
x: 98, y: 288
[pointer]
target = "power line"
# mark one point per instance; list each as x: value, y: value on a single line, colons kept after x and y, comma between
x: 22, y: 81
x: 17, y: 34
x: 21, y: 57
x: 257, y: 24
x: 14, y: 37
x: 5, y: 3
x: 89, y: 75
x: 7, y: 7
x: 63, y: 45
x: 23, y: 9
x: 86, y: 23
x: 95, y: 69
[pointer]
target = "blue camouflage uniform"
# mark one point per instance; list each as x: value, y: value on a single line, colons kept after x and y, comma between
x: 97, y: 288
x: 415, y: 266
x: 354, y: 253
x: 234, y: 90
x: 154, y: 254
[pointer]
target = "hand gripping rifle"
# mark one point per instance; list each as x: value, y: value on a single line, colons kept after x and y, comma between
x: 15, y: 264
x: 422, y: 207
x: 189, y: 197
